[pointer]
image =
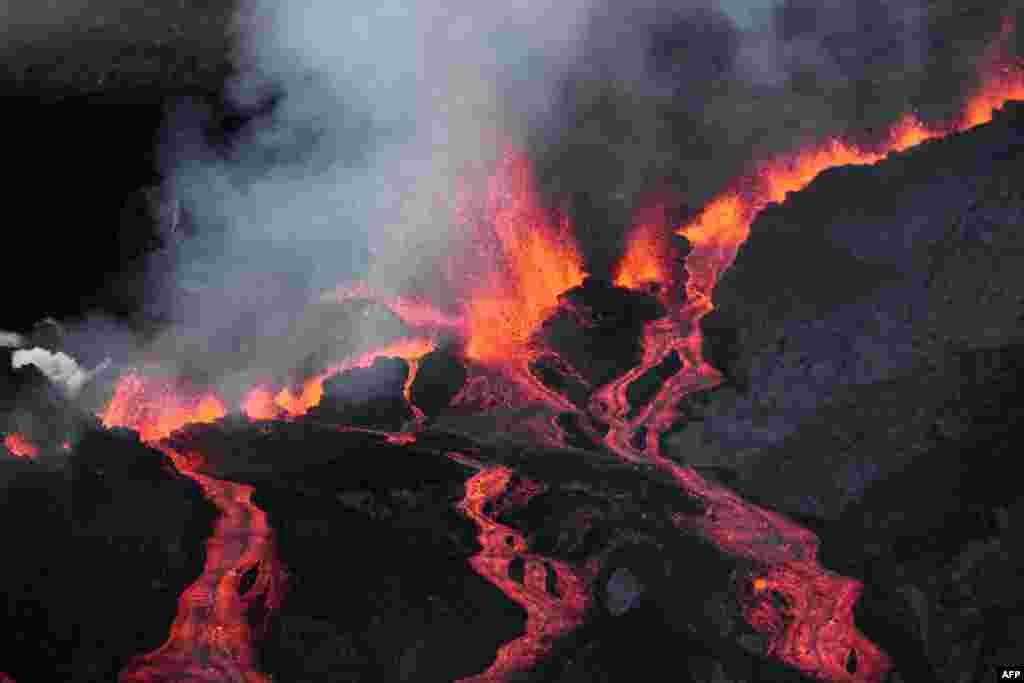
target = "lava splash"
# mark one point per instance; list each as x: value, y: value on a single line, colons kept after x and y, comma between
x: 521, y: 256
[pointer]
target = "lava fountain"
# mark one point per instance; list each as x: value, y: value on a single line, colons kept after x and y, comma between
x: 521, y: 256
x: 517, y: 257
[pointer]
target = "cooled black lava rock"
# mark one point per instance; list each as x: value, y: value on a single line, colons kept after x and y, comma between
x: 646, y: 386
x: 871, y: 334
x: 439, y: 378
x: 368, y: 397
x: 398, y: 599
x: 33, y: 406
x: 93, y: 570
x: 560, y: 377
x: 596, y: 332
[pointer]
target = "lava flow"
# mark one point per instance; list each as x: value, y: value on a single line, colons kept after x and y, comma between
x: 518, y: 258
x: 211, y: 638
x: 548, y: 616
x: 263, y: 403
x: 815, y: 632
x: 20, y: 446
x: 155, y: 406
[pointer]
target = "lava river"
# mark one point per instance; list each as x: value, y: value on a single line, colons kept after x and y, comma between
x: 517, y: 262
x: 211, y: 638
x: 814, y: 631
x: 552, y: 610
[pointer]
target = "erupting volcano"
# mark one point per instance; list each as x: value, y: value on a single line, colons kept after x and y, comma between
x: 523, y: 259
x: 535, y: 405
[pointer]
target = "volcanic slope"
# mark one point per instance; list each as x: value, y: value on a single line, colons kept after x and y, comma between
x: 886, y: 357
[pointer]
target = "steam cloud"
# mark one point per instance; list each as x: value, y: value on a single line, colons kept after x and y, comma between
x: 684, y: 95
x: 59, y: 367
x: 357, y: 119
x: 10, y: 340
x: 360, y: 118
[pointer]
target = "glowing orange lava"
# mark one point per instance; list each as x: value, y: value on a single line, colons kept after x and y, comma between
x: 1001, y: 81
x: 647, y: 259
x: 155, y: 407
x: 259, y: 404
x: 20, y: 446
x: 814, y: 631
x: 725, y: 222
x: 512, y: 288
x: 211, y: 638
x: 262, y: 403
x: 548, y: 617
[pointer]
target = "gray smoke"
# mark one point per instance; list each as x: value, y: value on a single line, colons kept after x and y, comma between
x: 60, y: 368
x: 367, y: 113
x: 10, y: 340
x: 358, y: 119
x: 682, y: 96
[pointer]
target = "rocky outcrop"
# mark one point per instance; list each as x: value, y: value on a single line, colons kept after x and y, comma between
x: 439, y: 377
x: 870, y: 332
x: 94, y: 567
x: 368, y: 397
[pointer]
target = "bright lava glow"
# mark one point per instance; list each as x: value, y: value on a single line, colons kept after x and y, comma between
x: 524, y: 257
x: 548, y: 617
x: 155, y: 406
x: 211, y: 638
x: 263, y: 403
x: 518, y: 258
x: 816, y: 633
x: 20, y: 446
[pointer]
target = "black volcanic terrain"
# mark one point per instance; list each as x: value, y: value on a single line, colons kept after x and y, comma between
x: 870, y: 336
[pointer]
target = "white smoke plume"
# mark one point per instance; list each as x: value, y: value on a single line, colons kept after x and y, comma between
x: 359, y: 120
x: 377, y: 108
x: 60, y: 368
x: 11, y: 340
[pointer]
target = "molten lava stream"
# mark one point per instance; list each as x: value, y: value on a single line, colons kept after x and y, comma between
x: 548, y: 617
x: 20, y: 446
x: 211, y: 638
x: 815, y: 631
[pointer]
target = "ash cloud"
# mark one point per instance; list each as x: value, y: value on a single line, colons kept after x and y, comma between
x: 10, y: 340
x: 684, y: 96
x: 349, y: 125
x: 59, y: 368
x: 354, y: 122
